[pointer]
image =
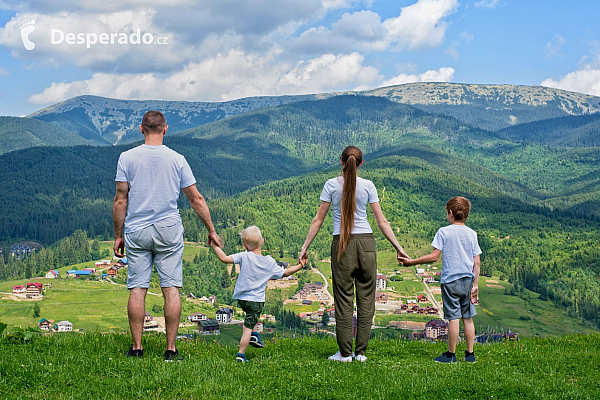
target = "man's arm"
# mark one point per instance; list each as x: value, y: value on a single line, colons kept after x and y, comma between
x: 292, y: 270
x: 221, y: 254
x: 119, y: 212
x: 429, y: 258
x: 476, y: 269
x: 201, y: 209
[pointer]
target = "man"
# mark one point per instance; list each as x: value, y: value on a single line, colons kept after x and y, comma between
x: 148, y: 179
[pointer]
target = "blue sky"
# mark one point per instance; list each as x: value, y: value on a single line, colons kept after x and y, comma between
x: 224, y: 50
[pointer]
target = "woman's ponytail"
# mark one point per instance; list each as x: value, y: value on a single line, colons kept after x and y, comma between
x: 352, y: 159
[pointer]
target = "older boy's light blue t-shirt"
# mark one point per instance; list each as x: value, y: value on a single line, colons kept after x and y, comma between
x: 459, y: 245
x: 155, y: 175
x: 255, y: 272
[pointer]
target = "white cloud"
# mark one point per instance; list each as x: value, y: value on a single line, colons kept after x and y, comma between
x: 4, y: 72
x: 466, y: 36
x: 444, y: 74
x: 554, y: 46
x: 586, y: 81
x: 420, y: 25
x: 224, y: 77
x: 487, y: 3
x: 452, y: 50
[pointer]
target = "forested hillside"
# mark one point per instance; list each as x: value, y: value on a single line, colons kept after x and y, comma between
x: 571, y: 131
x: 21, y: 133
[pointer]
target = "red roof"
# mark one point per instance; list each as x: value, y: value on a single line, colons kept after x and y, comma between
x: 36, y: 284
x: 18, y: 287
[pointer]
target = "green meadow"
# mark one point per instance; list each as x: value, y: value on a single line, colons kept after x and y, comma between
x: 67, y: 366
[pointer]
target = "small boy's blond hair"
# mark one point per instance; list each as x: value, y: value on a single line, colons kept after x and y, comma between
x: 252, y: 237
x: 460, y: 208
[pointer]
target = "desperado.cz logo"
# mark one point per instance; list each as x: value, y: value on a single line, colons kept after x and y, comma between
x: 89, y: 39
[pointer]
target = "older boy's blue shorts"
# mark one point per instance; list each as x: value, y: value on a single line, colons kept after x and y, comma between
x: 160, y: 244
x: 456, y: 296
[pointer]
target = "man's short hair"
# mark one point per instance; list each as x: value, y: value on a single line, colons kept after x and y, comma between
x: 251, y: 237
x: 154, y: 122
x: 460, y: 208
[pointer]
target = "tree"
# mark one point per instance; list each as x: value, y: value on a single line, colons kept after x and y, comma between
x: 325, y: 319
x: 225, y: 279
x: 36, y: 310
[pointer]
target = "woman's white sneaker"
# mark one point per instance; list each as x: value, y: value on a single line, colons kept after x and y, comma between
x: 360, y: 357
x: 338, y: 357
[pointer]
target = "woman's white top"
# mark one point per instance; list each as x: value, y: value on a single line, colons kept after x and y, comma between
x: 366, y: 193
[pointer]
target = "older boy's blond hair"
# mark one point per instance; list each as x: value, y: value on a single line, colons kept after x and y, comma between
x: 252, y: 237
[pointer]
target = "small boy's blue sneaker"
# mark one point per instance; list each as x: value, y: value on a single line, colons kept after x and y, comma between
x: 446, y: 358
x: 469, y: 357
x: 241, y: 358
x: 255, y: 341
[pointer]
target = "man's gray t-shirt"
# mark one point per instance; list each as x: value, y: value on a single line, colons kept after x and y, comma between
x: 155, y: 175
x: 459, y: 245
x: 255, y: 272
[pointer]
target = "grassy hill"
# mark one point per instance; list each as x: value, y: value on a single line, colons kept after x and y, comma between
x: 21, y: 133
x: 94, y: 366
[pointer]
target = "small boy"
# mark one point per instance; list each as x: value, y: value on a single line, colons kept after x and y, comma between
x: 460, y: 275
x: 255, y: 271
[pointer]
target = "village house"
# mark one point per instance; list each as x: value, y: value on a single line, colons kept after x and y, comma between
x: 268, y: 318
x: 306, y: 302
x: 44, y: 324
x: 19, y: 289
x: 209, y: 327
x: 259, y: 327
x: 436, y: 328
x: 64, y: 326
x: 148, y: 317
x: 212, y: 299
x: 381, y: 282
x: 92, y: 270
x: 197, y: 317
x: 224, y: 315
x: 422, y: 299
x: 381, y: 298
x: 112, y: 271
x: 429, y: 279
x: 82, y: 274
x: 71, y: 273
x: 34, y: 290
x: 52, y: 274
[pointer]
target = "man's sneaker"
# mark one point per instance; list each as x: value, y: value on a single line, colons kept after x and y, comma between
x: 338, y: 357
x: 255, y: 341
x: 469, y: 357
x: 360, y: 357
x: 139, y: 353
x: 241, y: 358
x: 171, y: 355
x: 445, y: 358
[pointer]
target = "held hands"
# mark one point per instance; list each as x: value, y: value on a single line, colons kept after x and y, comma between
x: 119, y: 247
x: 303, y: 257
x: 405, y: 260
x: 214, y: 238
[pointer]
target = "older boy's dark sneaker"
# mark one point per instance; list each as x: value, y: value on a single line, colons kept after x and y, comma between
x: 241, y: 358
x: 139, y: 353
x: 469, y: 357
x: 255, y: 341
x: 171, y: 355
x: 446, y: 358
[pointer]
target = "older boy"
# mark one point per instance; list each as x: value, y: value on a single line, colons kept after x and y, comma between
x: 460, y: 275
x: 255, y: 271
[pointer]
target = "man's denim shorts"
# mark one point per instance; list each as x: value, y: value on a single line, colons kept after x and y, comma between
x: 160, y: 244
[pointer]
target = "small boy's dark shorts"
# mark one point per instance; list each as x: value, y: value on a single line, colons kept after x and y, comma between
x: 253, y: 310
x: 456, y: 296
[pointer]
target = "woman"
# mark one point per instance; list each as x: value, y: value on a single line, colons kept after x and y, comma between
x: 353, y: 251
